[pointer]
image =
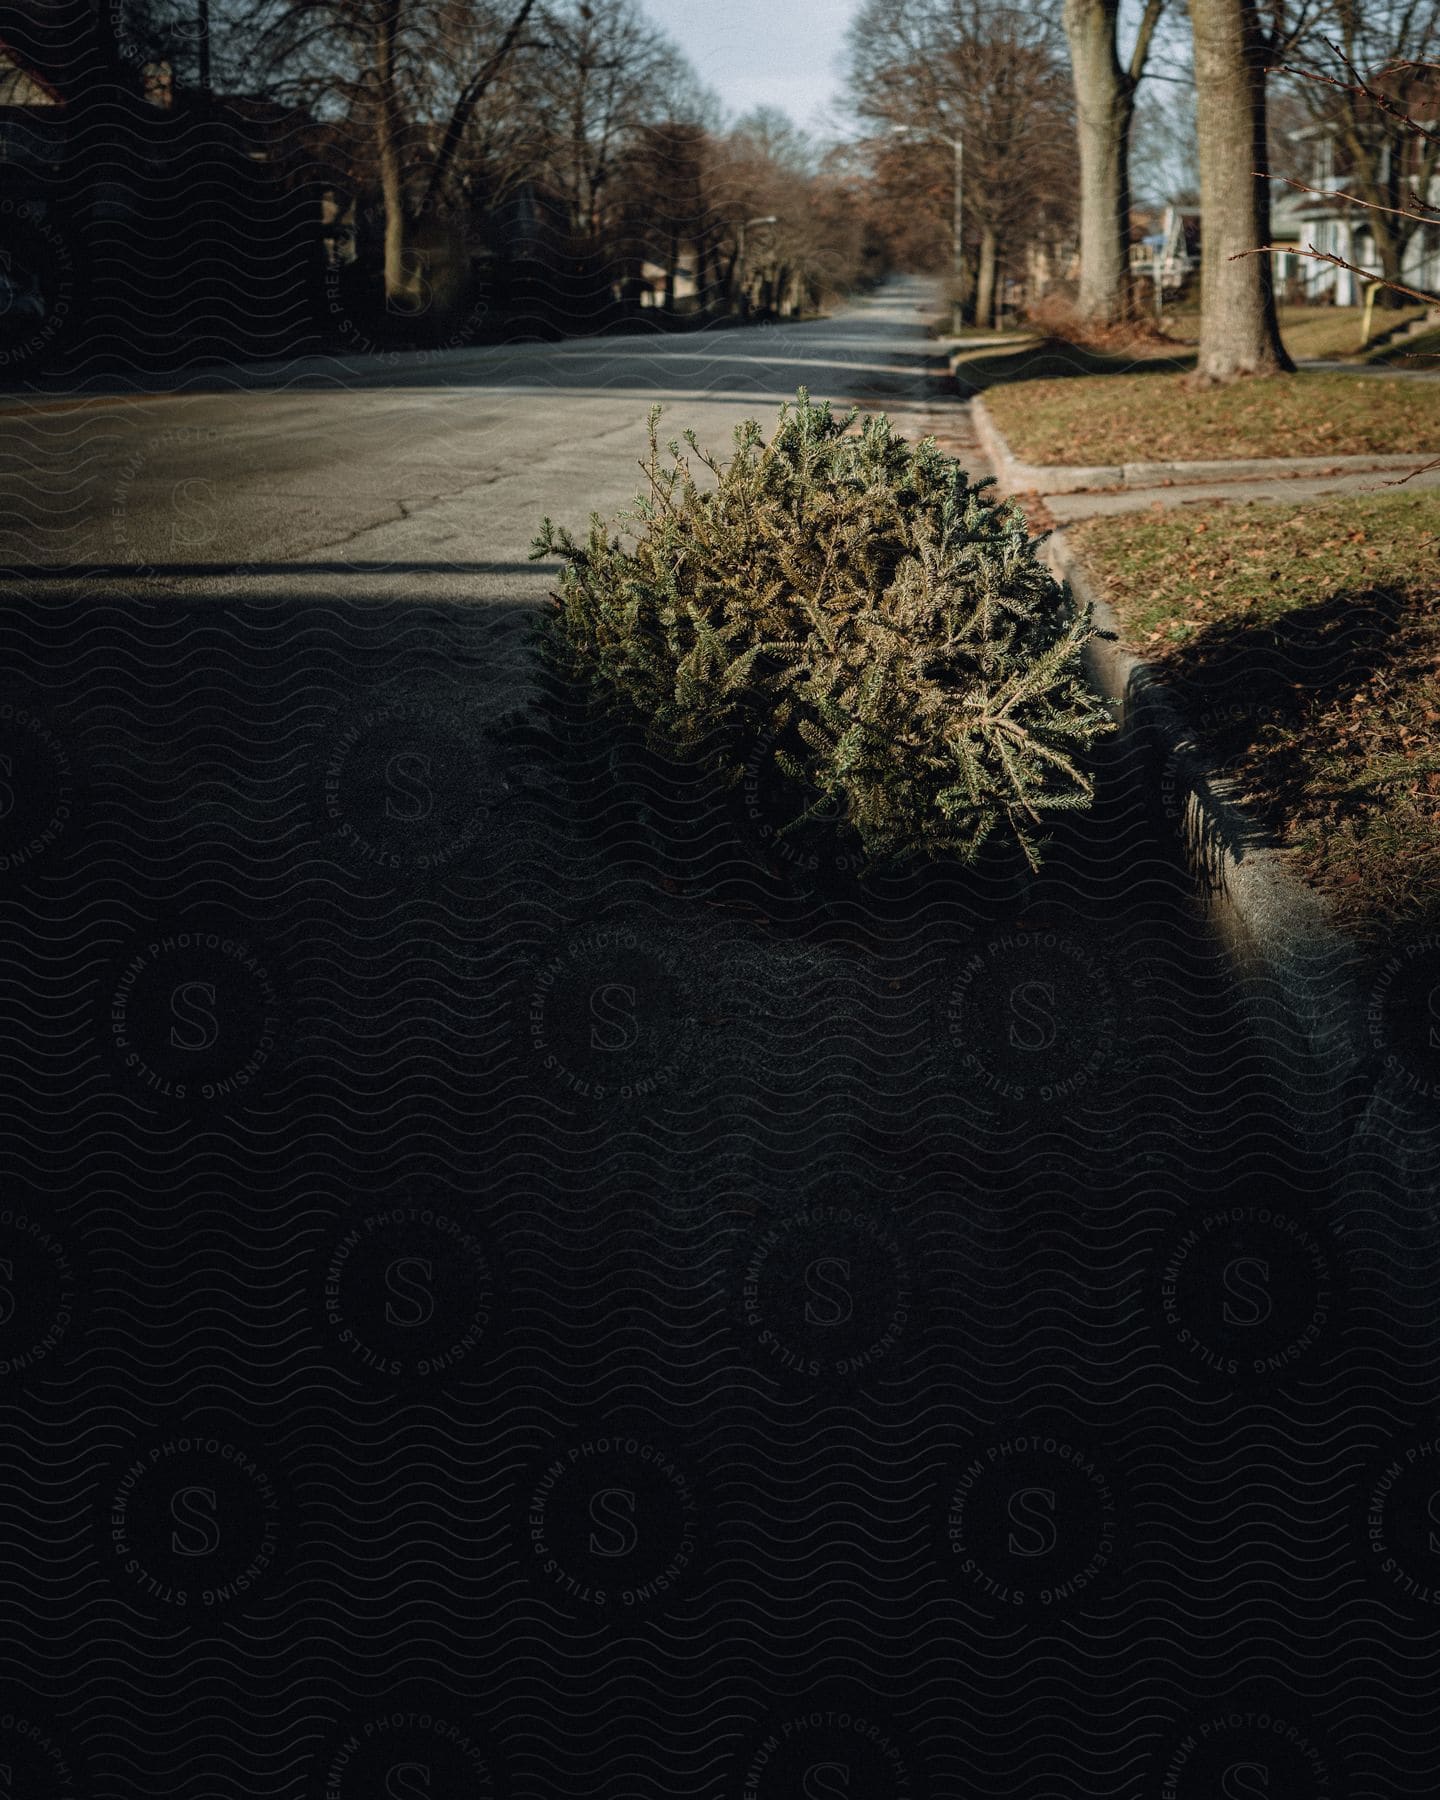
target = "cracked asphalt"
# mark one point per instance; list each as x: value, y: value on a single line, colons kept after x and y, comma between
x: 209, y: 580
x: 428, y: 469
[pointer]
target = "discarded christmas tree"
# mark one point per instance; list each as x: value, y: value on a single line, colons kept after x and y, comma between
x: 848, y: 601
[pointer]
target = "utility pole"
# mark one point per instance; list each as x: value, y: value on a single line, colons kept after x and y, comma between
x: 958, y: 145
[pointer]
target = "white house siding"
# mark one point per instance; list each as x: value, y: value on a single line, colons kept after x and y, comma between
x: 1422, y: 260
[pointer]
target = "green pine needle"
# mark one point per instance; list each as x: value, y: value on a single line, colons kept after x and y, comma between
x: 852, y: 607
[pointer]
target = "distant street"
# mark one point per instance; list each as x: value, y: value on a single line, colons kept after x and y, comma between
x: 434, y: 467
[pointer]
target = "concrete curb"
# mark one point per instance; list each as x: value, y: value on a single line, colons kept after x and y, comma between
x: 1302, y: 977
x: 1016, y: 477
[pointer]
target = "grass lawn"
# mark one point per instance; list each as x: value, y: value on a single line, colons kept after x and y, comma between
x: 1039, y: 358
x: 1335, y: 330
x: 1331, y: 331
x: 1153, y: 417
x: 1304, y: 643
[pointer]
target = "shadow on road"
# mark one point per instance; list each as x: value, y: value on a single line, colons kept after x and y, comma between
x: 327, y: 767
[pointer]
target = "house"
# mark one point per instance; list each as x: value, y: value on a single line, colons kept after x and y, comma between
x: 1314, y: 215
x: 1167, y: 255
x: 651, y: 279
x: 23, y: 86
x: 38, y: 263
x: 33, y: 123
x: 1324, y: 220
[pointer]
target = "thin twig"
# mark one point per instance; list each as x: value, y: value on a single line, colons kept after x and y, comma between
x: 1339, y: 262
x: 1431, y: 215
x: 1424, y: 469
x: 1362, y: 87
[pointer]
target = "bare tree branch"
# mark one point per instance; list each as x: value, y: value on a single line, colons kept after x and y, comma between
x: 1144, y: 37
x: 1430, y: 216
x: 1362, y: 87
x: 470, y: 97
x: 1338, y: 261
x: 1424, y: 469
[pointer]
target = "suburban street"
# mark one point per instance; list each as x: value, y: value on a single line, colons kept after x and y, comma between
x: 435, y: 466
x: 291, y: 559
x: 458, y: 1119
x: 529, y: 1268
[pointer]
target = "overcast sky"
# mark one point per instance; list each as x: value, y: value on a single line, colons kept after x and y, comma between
x: 764, y: 52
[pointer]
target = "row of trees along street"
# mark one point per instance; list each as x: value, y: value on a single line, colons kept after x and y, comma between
x: 578, y: 111
x: 511, y: 163
x: 1245, y: 88
x: 449, y: 169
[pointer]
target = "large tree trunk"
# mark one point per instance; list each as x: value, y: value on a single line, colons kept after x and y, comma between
x: 1105, y: 104
x: 985, y: 285
x: 390, y: 129
x: 1239, y: 328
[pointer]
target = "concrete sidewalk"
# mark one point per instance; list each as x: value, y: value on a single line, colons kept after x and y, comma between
x: 1067, y: 508
x: 1071, y: 492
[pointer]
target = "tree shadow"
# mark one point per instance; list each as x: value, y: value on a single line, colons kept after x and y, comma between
x: 1056, y: 358
x: 724, y: 827
x: 384, y: 792
x: 759, y: 361
x: 1252, y: 690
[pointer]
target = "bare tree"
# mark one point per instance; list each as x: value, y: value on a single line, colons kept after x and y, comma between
x: 414, y: 73
x: 911, y: 201
x: 1417, y: 142
x: 1105, y: 89
x: 1417, y: 209
x: 667, y: 204
x: 761, y: 170
x: 607, y: 72
x: 783, y: 223
x: 991, y: 75
x: 1363, y: 76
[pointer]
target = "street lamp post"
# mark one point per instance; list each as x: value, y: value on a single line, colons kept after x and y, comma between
x: 958, y: 218
x: 765, y: 219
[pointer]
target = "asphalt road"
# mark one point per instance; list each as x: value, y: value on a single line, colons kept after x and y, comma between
x: 434, y: 467
x: 621, y: 1297
x: 408, y: 490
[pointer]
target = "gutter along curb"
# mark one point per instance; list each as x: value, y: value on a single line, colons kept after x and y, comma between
x: 1309, y: 988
